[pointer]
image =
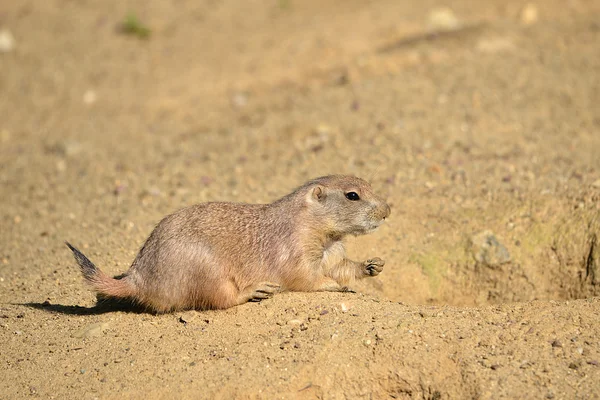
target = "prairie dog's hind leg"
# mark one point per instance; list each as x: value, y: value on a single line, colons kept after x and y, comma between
x: 264, y: 290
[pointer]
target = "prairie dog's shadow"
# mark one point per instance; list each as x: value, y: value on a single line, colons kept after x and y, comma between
x: 102, y: 306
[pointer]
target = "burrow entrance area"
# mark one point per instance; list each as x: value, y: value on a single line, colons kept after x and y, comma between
x: 552, y: 254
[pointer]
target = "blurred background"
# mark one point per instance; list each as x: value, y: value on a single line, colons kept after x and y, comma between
x: 478, y: 120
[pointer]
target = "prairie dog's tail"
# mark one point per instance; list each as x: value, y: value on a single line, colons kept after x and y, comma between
x: 102, y: 283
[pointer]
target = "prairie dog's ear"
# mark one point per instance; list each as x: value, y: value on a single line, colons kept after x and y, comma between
x: 317, y: 194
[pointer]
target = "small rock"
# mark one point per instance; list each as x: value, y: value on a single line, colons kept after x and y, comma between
x: 67, y: 148
x: 295, y: 322
x: 7, y: 41
x: 344, y: 307
x: 119, y: 188
x: 596, y: 184
x: 443, y: 19
x: 61, y: 165
x: 206, y: 180
x: 323, y: 129
x: 239, y: 100
x: 92, y: 330
x: 495, y: 45
x: 529, y: 14
x: 573, y: 365
x: 593, y: 362
x: 556, y: 343
x: 367, y: 342
x: 5, y: 136
x: 89, y: 97
x: 188, y: 317
x: 487, y: 250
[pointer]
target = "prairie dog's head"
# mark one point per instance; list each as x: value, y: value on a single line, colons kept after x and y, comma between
x: 346, y: 205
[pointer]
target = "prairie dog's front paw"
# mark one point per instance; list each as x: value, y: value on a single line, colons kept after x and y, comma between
x: 373, y: 266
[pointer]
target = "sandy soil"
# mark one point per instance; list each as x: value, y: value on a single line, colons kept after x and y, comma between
x: 481, y: 119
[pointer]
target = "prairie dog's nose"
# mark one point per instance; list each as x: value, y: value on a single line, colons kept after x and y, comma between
x: 386, y: 211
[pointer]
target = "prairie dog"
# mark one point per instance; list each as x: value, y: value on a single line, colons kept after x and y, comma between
x: 218, y: 255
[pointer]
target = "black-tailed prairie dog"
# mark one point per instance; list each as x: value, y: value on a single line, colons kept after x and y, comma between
x: 218, y: 255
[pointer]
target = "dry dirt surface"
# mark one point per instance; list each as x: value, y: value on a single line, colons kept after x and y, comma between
x: 479, y: 122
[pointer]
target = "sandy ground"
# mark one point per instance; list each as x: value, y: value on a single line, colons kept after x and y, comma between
x: 480, y: 124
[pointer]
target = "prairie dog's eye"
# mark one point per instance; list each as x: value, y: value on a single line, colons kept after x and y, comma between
x: 352, y: 196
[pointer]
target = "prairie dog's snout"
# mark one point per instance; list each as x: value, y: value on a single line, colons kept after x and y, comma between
x: 381, y: 210
x: 386, y: 211
x: 218, y: 255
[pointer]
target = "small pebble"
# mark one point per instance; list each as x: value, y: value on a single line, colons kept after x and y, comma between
x: 61, y: 165
x: 67, y: 148
x: 323, y: 129
x: 495, y: 45
x: 89, y: 97
x: 4, y: 136
x: 188, y: 317
x: 529, y: 14
x: 92, y: 330
x: 573, y: 366
x: 7, y: 41
x: 443, y: 19
x: 239, y: 100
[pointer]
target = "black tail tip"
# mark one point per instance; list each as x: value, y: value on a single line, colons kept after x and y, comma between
x: 87, y: 267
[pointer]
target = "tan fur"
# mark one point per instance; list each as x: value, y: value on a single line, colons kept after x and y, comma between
x: 218, y: 255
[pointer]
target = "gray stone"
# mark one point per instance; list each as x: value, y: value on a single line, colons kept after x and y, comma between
x: 92, y: 330
x: 487, y: 250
